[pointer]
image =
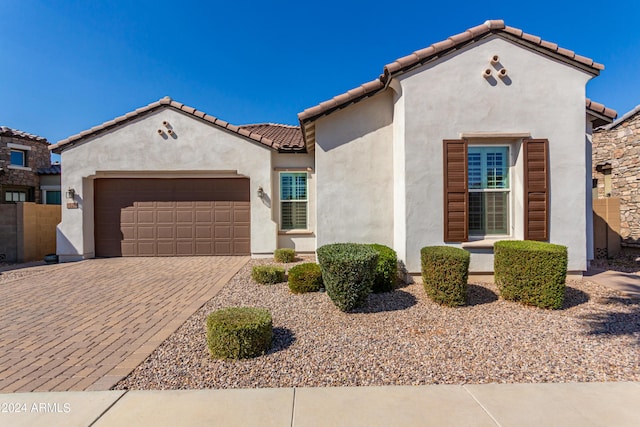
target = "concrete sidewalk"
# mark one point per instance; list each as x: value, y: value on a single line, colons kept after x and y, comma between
x: 627, y: 283
x: 566, y: 404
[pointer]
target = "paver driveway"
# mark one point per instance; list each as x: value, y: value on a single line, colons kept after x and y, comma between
x: 86, y: 325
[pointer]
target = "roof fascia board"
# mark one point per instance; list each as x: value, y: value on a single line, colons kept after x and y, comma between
x: 541, y: 50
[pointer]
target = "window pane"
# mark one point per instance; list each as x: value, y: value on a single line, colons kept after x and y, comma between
x: 54, y: 197
x: 294, y: 215
x: 496, y: 213
x: 476, y: 213
x: 488, y: 167
x: 293, y: 186
x: 17, y: 158
x: 474, y: 167
x: 497, y: 168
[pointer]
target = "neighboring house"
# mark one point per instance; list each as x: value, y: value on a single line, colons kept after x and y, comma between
x: 481, y: 137
x: 616, y: 170
x: 23, y: 159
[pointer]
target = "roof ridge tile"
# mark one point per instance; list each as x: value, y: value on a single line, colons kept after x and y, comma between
x: 406, y: 62
x: 168, y: 102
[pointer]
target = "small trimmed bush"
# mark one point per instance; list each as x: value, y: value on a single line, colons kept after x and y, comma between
x: 445, y: 270
x: 284, y: 255
x: 386, y: 274
x: 305, y: 277
x: 267, y: 274
x: 529, y: 272
x: 239, y: 332
x: 348, y: 270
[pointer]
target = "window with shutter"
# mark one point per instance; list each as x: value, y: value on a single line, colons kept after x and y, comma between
x: 293, y: 201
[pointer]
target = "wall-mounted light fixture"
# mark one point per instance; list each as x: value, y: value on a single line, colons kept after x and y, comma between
x: 260, y: 192
x: 71, y: 196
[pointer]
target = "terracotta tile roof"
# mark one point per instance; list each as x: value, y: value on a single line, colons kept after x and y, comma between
x: 54, y: 169
x: 601, y: 109
x: 452, y: 43
x: 623, y: 119
x: 289, y: 137
x: 14, y: 133
x: 168, y: 102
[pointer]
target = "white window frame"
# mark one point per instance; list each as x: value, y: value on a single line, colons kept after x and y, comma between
x: 45, y: 188
x: 24, y: 149
x: 12, y: 192
x: 510, y: 191
x: 280, y: 201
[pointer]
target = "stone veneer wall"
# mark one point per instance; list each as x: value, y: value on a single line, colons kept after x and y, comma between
x: 38, y: 157
x: 620, y: 147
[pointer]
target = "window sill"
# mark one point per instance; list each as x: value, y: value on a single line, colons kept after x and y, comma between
x: 22, y: 168
x: 295, y: 232
x: 484, y: 243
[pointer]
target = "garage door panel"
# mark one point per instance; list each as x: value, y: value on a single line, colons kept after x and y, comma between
x: 146, y: 233
x: 204, y: 232
x: 168, y: 217
x: 183, y: 232
x: 184, y: 216
x: 185, y: 248
x: 241, y: 232
x: 165, y: 232
x: 203, y: 216
x: 222, y: 232
x: 241, y: 247
x: 165, y: 216
x: 146, y: 248
x: 128, y: 233
x: 166, y: 248
x: 223, y: 247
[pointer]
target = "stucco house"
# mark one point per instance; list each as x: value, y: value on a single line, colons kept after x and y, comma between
x: 616, y: 170
x: 481, y: 137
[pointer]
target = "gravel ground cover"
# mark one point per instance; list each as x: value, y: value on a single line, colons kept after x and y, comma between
x: 402, y: 338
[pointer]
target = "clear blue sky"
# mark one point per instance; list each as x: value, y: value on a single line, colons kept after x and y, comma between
x: 68, y: 65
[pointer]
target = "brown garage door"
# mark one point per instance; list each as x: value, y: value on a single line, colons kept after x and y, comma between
x: 171, y: 217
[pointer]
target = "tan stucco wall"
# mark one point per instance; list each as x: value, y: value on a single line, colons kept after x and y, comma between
x: 354, y: 165
x: 447, y: 99
x: 135, y: 149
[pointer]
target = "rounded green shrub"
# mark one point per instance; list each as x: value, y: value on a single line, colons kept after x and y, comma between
x: 305, y: 277
x: 267, y: 274
x: 284, y: 255
x: 531, y: 272
x: 239, y: 332
x: 386, y: 273
x: 348, y: 270
x: 445, y: 271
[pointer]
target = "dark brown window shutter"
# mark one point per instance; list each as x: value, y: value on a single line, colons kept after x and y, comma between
x: 536, y: 189
x: 456, y: 195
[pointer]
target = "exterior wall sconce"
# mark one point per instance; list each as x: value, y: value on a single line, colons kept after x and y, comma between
x: 71, y: 199
x: 260, y: 192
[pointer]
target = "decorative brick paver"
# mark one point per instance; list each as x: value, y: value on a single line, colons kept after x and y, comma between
x: 86, y: 325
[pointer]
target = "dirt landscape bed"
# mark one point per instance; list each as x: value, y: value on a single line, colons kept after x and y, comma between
x: 403, y: 338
